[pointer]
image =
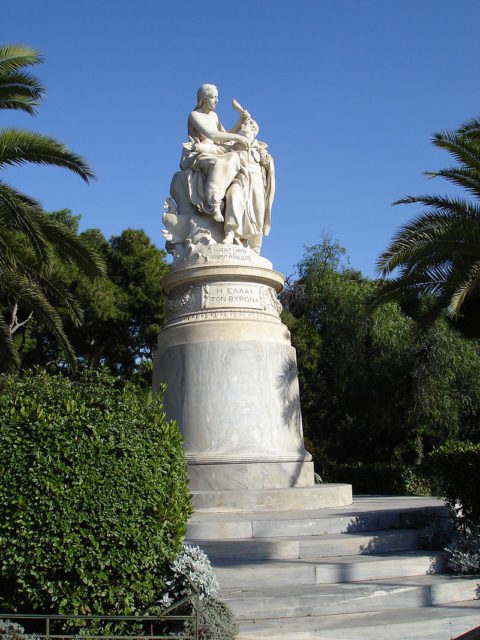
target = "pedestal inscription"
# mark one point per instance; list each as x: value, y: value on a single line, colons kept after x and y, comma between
x: 232, y: 295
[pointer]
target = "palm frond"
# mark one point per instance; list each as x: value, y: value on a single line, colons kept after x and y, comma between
x: 20, y: 213
x: 20, y: 90
x: 73, y: 248
x: 467, y: 178
x: 453, y: 206
x: 17, y: 286
x: 463, y: 149
x: 470, y: 285
x: 433, y: 236
x: 12, y: 252
x: 470, y: 128
x: 17, y: 56
x: 18, y: 147
x: 61, y: 295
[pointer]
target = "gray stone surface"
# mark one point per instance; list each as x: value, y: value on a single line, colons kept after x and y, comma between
x: 342, y: 572
x: 235, y: 400
x: 308, y: 547
x: 366, y: 514
x: 231, y: 376
x: 323, y: 495
x: 442, y: 622
x: 307, y: 600
x: 250, y: 475
x: 323, y: 570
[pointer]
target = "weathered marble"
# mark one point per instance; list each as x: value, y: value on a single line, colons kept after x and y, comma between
x: 224, y: 190
x: 224, y: 355
x: 231, y: 373
x: 266, y: 475
x: 319, y: 496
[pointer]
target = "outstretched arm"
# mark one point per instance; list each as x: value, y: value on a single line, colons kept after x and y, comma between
x: 245, y: 115
x: 214, y: 132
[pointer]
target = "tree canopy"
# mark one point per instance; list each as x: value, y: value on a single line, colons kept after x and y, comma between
x: 29, y: 238
x: 123, y: 312
x: 375, y: 386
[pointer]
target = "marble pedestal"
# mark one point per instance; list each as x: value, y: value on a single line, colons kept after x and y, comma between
x: 231, y: 374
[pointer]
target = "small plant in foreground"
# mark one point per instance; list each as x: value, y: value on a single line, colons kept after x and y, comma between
x: 191, y: 573
x: 13, y: 631
x: 464, y: 551
x: 217, y: 621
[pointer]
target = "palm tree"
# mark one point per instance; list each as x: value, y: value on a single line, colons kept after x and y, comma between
x: 437, y: 254
x: 29, y: 238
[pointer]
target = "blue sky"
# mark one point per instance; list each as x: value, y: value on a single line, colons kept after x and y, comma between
x: 347, y: 94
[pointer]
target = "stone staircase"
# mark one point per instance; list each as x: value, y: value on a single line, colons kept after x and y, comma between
x: 335, y: 573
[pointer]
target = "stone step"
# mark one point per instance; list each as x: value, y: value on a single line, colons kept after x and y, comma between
x: 309, y: 546
x: 441, y: 622
x: 377, y: 514
x: 346, y: 569
x: 378, y: 595
x: 327, y: 570
x: 286, y: 499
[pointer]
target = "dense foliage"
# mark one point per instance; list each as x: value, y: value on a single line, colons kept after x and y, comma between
x: 123, y: 312
x: 457, y: 467
x: 28, y: 237
x: 383, y: 478
x: 375, y: 386
x: 93, y: 497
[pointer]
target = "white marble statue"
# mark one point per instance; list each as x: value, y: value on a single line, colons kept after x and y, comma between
x: 224, y: 190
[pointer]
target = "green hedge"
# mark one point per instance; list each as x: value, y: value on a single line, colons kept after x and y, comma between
x: 93, y: 496
x: 381, y: 478
x: 457, y: 467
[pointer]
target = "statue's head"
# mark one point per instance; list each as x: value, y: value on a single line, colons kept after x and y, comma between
x: 249, y: 129
x: 207, y: 92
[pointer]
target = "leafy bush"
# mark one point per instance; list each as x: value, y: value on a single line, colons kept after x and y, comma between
x: 380, y: 478
x: 93, y: 496
x: 457, y: 467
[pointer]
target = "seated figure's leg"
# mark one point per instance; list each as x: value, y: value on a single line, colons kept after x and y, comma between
x: 233, y: 203
x: 219, y: 178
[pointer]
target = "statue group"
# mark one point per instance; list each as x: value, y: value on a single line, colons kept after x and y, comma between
x: 224, y: 190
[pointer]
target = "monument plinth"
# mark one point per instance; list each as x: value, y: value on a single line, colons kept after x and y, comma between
x: 231, y: 373
x: 225, y: 355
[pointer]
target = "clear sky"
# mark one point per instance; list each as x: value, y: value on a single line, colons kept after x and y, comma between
x: 346, y: 92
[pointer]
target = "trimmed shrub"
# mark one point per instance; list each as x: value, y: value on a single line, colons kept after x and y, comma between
x: 380, y: 478
x: 457, y: 467
x: 93, y: 496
